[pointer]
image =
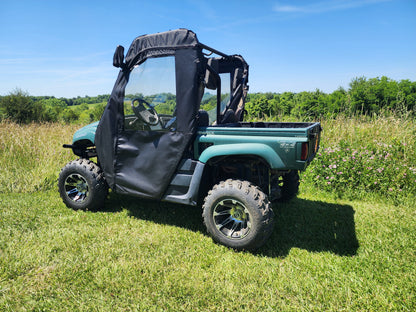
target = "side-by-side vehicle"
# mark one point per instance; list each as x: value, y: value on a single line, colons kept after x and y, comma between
x: 173, y: 130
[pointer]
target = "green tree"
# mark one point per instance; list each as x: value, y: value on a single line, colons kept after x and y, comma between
x: 358, y: 92
x: 53, y: 109
x: 337, y: 102
x: 98, y: 110
x: 286, y: 103
x: 373, y: 95
x: 259, y: 107
x: 19, y: 107
x: 407, y: 95
x: 312, y: 104
x: 69, y: 115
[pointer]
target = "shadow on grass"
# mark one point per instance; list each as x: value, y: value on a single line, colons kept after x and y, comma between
x: 311, y: 225
x: 314, y: 226
x: 184, y: 216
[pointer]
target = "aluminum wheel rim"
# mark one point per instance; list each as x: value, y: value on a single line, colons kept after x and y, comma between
x: 232, y: 218
x: 76, y: 188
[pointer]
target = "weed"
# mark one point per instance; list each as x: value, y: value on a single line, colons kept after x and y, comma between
x: 31, y: 156
x: 359, y: 156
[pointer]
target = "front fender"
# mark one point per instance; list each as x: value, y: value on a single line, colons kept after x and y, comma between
x: 257, y: 149
x: 86, y: 133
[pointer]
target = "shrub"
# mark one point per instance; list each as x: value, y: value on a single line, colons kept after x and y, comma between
x: 19, y: 107
x: 69, y: 115
x: 377, y: 168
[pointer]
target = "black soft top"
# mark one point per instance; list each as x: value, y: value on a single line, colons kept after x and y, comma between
x: 159, y: 44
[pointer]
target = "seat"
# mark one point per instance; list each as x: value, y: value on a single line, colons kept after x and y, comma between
x: 202, y: 118
x: 229, y: 117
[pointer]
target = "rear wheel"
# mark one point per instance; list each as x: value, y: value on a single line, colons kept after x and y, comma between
x: 82, y: 186
x: 238, y: 215
x: 290, y: 187
x: 285, y: 187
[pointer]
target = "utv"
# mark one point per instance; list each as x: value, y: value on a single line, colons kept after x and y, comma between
x: 173, y: 131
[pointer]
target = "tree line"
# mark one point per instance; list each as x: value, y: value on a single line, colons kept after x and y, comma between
x: 20, y: 107
x: 364, y: 96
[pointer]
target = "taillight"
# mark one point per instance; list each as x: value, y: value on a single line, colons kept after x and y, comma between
x: 316, y: 143
x: 305, y: 150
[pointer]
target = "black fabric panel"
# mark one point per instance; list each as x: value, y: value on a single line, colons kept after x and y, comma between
x: 109, y: 127
x: 147, y: 160
x: 187, y: 89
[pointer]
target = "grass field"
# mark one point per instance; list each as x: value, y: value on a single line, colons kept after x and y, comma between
x: 326, y: 253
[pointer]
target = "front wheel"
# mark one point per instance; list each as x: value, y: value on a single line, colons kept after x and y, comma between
x: 238, y: 215
x: 82, y: 186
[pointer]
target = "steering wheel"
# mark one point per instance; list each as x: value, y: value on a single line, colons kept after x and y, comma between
x: 148, y: 115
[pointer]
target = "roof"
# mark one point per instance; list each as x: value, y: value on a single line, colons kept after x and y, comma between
x: 164, y: 43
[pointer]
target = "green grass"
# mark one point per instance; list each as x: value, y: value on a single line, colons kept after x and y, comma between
x: 88, y: 106
x: 31, y: 155
x: 326, y: 253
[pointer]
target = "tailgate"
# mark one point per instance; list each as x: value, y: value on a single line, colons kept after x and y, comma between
x: 314, y: 136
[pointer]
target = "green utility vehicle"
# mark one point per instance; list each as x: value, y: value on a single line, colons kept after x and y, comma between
x: 173, y: 131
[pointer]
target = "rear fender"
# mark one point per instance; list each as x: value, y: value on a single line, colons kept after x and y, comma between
x: 257, y: 149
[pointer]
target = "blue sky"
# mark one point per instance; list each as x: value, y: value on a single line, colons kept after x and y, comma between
x: 65, y: 48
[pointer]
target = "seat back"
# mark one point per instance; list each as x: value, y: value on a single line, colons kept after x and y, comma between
x: 203, y: 118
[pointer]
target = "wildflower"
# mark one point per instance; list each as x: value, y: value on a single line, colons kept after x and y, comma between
x: 329, y: 183
x: 327, y: 178
x: 318, y: 176
x: 390, y: 189
x: 375, y: 182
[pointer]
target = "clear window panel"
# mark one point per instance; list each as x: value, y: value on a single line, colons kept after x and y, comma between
x: 209, y: 100
x: 151, y: 87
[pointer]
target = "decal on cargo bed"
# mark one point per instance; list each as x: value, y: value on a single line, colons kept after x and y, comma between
x: 287, y: 146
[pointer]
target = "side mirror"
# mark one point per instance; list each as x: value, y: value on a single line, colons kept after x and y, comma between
x: 118, y: 57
